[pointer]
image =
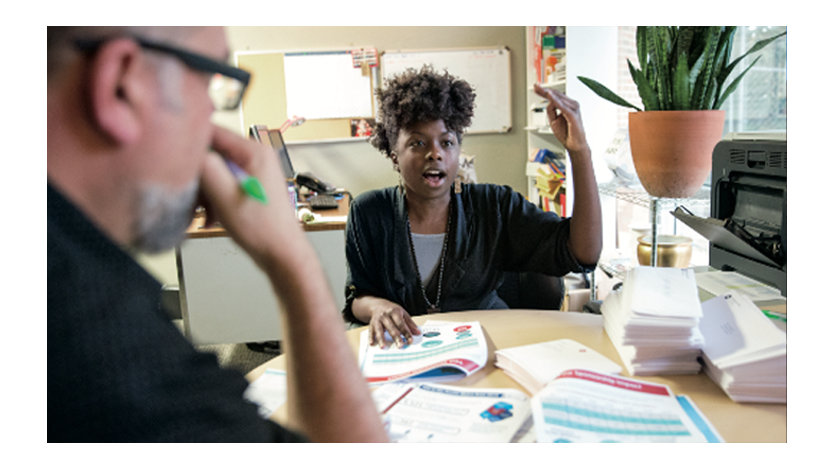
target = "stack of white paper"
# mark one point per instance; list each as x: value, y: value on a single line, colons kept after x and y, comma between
x: 744, y: 352
x: 653, y: 321
x: 534, y: 365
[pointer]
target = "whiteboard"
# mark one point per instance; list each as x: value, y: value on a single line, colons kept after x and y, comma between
x: 331, y: 86
x: 326, y: 85
x: 486, y: 69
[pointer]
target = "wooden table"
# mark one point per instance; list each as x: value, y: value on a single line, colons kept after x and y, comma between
x: 197, y: 229
x: 736, y: 422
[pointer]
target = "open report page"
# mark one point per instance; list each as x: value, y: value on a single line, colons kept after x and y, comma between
x: 585, y: 406
x: 444, y: 351
x: 427, y: 412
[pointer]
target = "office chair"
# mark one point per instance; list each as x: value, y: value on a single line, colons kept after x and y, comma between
x: 531, y: 290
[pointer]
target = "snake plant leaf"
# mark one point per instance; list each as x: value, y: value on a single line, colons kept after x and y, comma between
x: 645, y: 89
x: 759, y: 45
x: 660, y: 41
x: 756, y: 47
x: 682, y: 87
x: 642, y: 47
x: 733, y: 85
x: 689, y: 42
x: 723, y: 55
x: 605, y: 93
x: 649, y: 56
x: 694, y: 74
x: 704, y: 86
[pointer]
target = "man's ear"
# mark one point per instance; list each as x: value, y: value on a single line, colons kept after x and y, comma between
x: 115, y: 86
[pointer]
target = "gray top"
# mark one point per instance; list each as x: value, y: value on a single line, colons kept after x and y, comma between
x: 427, y: 248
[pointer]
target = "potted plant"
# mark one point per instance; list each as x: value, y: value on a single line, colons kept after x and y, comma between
x: 682, y: 81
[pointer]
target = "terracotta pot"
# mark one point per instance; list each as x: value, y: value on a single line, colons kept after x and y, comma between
x: 672, y: 150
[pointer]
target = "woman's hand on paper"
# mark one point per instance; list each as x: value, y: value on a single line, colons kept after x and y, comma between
x: 387, y: 316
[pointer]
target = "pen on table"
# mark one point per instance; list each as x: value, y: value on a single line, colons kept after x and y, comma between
x: 248, y: 183
x: 775, y: 316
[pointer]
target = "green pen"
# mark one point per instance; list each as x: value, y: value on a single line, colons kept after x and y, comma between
x: 248, y: 183
x: 775, y: 316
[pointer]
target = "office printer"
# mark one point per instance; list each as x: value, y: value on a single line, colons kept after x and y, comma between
x: 747, y: 227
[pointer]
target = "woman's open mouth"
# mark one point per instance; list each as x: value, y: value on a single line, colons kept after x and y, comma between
x: 434, y: 177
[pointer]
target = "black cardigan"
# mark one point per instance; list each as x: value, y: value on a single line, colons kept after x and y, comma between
x: 495, y: 230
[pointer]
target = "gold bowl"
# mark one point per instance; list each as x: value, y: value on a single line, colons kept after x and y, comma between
x: 673, y: 251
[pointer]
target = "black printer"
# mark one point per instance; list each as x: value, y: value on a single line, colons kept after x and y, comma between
x: 747, y: 228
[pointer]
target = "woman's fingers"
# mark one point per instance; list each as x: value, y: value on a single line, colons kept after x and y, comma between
x: 397, y: 323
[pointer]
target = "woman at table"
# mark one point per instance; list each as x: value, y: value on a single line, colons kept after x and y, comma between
x: 432, y: 245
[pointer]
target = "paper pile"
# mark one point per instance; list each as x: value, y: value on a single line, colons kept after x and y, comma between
x: 744, y: 352
x: 535, y: 365
x: 653, y: 321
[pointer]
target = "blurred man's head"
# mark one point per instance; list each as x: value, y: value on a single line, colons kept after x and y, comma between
x: 129, y: 118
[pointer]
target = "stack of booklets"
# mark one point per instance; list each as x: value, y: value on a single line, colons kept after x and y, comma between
x: 744, y: 352
x: 444, y: 351
x: 653, y: 321
x: 535, y: 365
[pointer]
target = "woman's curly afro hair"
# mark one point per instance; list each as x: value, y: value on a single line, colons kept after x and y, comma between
x: 419, y: 96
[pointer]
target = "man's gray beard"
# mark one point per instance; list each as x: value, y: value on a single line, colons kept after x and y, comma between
x: 162, y: 217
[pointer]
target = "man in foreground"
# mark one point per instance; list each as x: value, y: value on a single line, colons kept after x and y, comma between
x: 129, y: 134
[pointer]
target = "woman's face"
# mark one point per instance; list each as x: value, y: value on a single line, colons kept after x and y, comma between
x: 427, y: 156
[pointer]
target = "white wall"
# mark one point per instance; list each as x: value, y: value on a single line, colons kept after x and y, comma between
x: 592, y: 52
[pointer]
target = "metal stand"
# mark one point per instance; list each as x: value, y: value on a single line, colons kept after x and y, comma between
x: 654, y: 202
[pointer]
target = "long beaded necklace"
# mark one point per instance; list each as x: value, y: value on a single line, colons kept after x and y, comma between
x: 430, y: 307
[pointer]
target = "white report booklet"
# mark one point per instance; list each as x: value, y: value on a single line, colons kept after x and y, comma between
x: 534, y: 365
x: 445, y: 351
x: 429, y: 412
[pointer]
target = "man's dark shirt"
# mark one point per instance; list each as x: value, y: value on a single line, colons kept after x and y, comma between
x: 117, y: 367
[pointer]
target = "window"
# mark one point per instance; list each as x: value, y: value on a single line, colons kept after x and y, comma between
x: 761, y: 100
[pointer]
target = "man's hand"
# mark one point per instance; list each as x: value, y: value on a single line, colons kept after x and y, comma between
x: 267, y: 232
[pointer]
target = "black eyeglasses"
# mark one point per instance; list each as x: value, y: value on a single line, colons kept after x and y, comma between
x: 227, y: 85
